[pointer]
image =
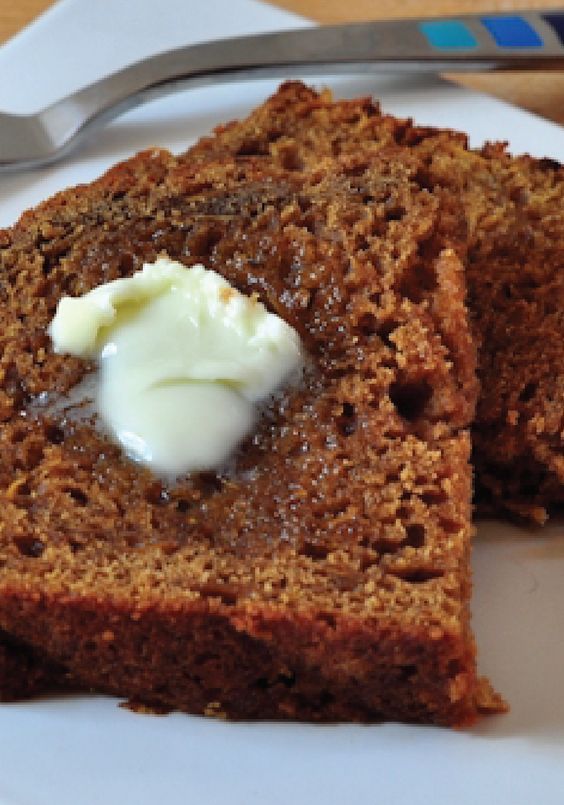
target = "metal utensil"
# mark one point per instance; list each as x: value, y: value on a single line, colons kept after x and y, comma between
x: 391, y: 46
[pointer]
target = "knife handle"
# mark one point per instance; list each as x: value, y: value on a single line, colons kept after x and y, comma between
x: 525, y: 41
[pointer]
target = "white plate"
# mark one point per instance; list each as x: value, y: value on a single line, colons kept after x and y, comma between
x: 82, y: 750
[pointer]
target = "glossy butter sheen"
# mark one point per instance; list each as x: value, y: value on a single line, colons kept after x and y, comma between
x: 183, y: 360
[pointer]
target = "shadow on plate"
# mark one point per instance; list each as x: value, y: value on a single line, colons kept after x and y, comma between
x: 518, y: 610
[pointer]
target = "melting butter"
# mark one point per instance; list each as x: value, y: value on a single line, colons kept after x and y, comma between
x: 183, y: 360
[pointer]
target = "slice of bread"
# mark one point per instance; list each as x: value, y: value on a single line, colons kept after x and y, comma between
x: 514, y: 211
x: 326, y: 577
x: 515, y: 274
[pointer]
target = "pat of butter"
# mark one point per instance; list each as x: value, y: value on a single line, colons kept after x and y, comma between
x: 184, y: 358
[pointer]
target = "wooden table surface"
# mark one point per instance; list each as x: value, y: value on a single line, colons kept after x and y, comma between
x: 542, y: 93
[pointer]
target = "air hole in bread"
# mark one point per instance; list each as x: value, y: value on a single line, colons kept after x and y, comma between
x: 355, y: 168
x: 250, y: 147
x: 418, y: 575
x: 407, y: 671
x: 18, y: 435
x: 454, y: 667
x: 417, y: 280
x: 449, y: 526
x: 528, y: 392
x: 77, y: 494
x: 328, y: 618
x: 424, y: 179
x: 289, y: 158
x: 30, y: 546
x: 411, y: 397
x: 15, y: 386
x: 54, y: 433
x: 385, y: 329
x: 314, y: 550
x: 386, y: 546
x: 286, y: 679
x: 203, y: 242
x: 367, y: 324
x: 227, y: 593
x: 126, y: 264
x: 434, y: 497
x: 346, y: 422
x: 415, y: 535
x: 395, y: 212
x: 210, y: 483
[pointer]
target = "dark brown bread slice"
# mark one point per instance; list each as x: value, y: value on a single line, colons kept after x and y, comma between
x: 514, y: 208
x: 515, y: 274
x: 328, y: 576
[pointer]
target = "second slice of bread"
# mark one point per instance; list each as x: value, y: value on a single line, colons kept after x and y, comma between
x: 514, y: 213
